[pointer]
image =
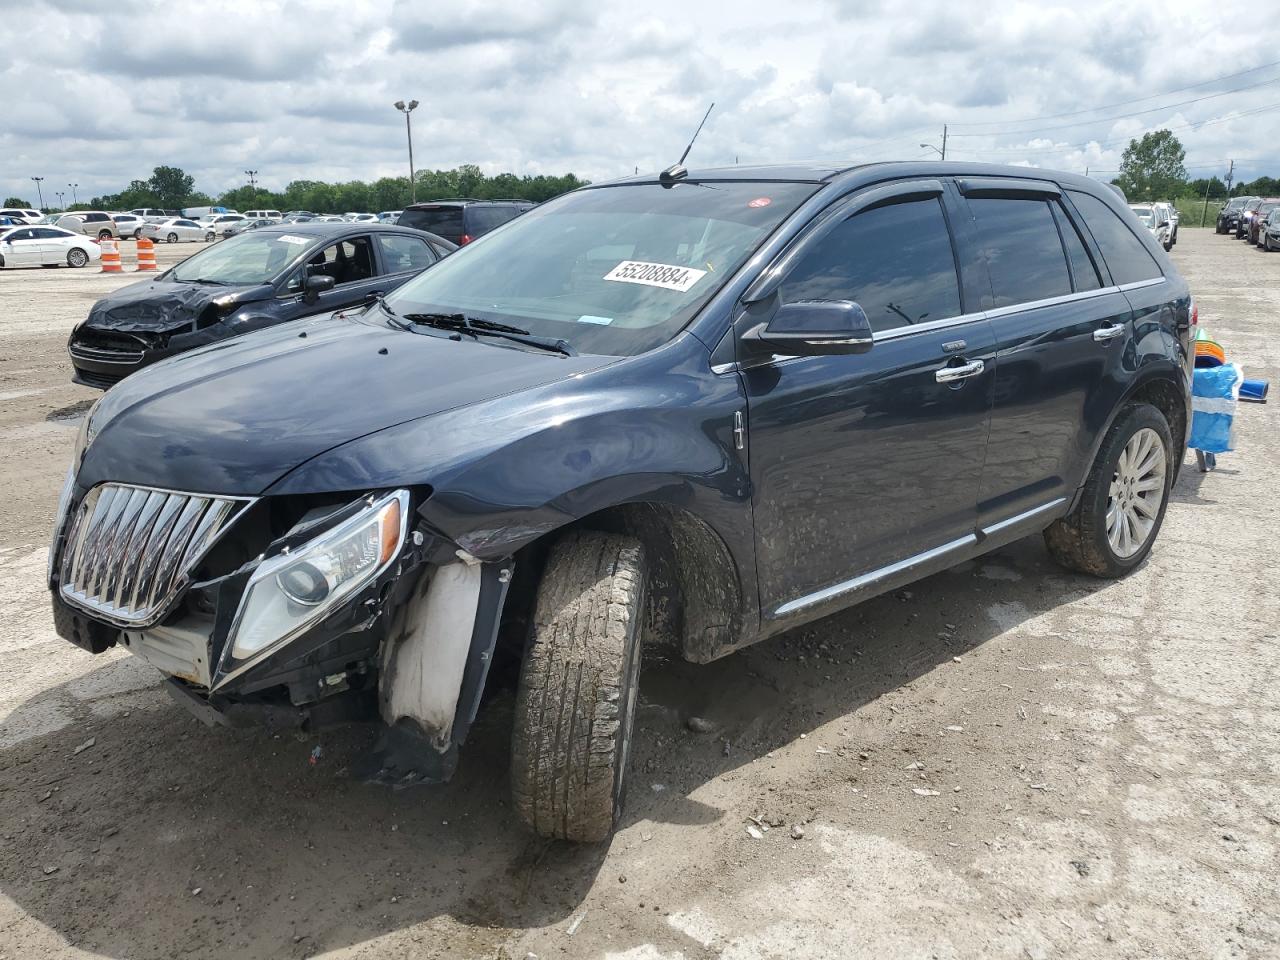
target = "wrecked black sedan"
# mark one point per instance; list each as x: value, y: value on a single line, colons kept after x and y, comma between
x: 244, y: 284
x: 701, y: 408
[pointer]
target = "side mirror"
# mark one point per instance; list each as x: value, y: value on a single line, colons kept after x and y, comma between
x: 816, y: 328
x: 316, y: 284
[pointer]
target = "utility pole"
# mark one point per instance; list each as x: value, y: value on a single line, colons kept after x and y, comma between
x: 253, y: 186
x: 944, y: 141
x: 1230, y: 173
x: 408, y: 129
x: 1204, y: 211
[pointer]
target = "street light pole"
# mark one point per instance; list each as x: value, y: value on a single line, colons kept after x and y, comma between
x: 39, y: 192
x: 253, y: 186
x: 61, y: 203
x: 407, y: 109
x: 74, y: 199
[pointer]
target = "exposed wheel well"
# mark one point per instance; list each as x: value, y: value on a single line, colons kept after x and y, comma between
x: 1165, y: 396
x: 695, y: 591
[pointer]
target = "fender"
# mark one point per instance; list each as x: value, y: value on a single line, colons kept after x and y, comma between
x: 1154, y: 370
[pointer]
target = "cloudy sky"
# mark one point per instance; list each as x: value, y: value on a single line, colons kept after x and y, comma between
x: 97, y: 92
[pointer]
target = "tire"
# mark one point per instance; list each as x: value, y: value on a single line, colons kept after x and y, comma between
x: 104, y: 235
x: 1168, y: 245
x: 1080, y: 540
x: 171, y: 238
x: 137, y: 234
x: 77, y: 257
x: 209, y: 238
x: 575, y: 706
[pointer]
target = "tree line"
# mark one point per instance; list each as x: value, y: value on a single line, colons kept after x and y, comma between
x: 170, y: 188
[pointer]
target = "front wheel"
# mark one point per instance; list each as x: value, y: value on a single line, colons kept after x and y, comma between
x: 209, y: 237
x: 171, y: 238
x: 576, y: 702
x: 77, y: 257
x: 1114, y: 524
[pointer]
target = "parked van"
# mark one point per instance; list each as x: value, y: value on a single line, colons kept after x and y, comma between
x: 200, y: 213
x: 264, y: 215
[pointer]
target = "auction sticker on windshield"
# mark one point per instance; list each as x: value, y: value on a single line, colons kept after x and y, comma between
x: 662, y: 275
x: 290, y: 238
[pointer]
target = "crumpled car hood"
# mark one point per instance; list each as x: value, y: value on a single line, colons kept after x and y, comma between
x: 234, y: 417
x: 162, y: 306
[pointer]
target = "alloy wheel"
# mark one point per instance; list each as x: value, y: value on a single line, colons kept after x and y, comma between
x: 1137, y: 492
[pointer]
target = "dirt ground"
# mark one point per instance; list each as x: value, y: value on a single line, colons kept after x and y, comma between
x: 1003, y: 761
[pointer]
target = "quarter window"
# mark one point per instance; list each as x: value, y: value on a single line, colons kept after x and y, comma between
x: 1024, y: 255
x: 1127, y: 258
x: 895, y: 261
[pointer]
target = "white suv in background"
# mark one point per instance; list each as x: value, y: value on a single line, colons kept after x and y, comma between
x: 263, y: 215
x: 1169, y: 213
x: 23, y: 214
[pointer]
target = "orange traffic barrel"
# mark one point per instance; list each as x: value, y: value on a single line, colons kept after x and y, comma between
x: 111, y: 257
x: 146, y: 255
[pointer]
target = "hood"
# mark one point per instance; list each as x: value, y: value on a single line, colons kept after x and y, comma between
x: 235, y: 417
x: 164, y: 306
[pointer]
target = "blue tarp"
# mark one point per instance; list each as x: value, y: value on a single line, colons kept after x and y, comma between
x: 1214, y: 391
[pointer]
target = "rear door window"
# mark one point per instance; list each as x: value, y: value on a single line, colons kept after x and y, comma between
x: 1083, y: 271
x: 895, y: 261
x: 402, y: 254
x: 1020, y: 241
x: 1127, y: 258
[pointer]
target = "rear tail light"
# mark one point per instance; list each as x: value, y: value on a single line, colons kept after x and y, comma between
x: 466, y: 238
x: 1195, y: 313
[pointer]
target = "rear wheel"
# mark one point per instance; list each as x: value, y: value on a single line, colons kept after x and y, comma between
x: 77, y: 257
x: 171, y: 238
x: 1112, y: 528
x: 209, y: 237
x: 104, y: 235
x: 577, y: 696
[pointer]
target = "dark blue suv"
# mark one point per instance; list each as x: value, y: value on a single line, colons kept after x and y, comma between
x: 702, y: 408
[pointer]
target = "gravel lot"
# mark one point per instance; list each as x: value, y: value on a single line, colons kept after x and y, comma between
x: 1104, y: 755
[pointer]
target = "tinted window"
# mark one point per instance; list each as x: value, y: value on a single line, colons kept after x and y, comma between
x: 895, y: 261
x: 1083, y: 272
x: 442, y: 221
x: 21, y: 235
x: 347, y: 261
x: 96, y: 217
x: 404, y: 253
x: 483, y: 219
x: 48, y: 233
x: 1126, y: 257
x: 185, y: 223
x: 1024, y: 255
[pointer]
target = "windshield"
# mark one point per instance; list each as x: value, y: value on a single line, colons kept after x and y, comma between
x: 614, y: 270
x: 248, y: 258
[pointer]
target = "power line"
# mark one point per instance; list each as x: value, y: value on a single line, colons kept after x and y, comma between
x: 1123, y: 116
x: 1121, y: 103
x: 1062, y: 148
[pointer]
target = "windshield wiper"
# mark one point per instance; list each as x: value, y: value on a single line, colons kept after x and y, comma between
x: 479, y: 327
x: 219, y: 283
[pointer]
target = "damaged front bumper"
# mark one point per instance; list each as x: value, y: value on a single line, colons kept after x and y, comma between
x: 287, y: 609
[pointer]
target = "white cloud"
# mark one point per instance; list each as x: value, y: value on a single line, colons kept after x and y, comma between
x: 98, y: 94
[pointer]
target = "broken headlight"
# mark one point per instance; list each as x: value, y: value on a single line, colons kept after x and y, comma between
x: 291, y: 591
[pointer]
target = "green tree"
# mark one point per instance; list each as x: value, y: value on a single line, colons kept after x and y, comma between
x: 1217, y: 189
x: 1151, y: 168
x: 1262, y: 187
x: 16, y: 202
x: 172, y: 187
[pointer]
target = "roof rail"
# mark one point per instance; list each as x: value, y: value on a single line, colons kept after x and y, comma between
x: 511, y: 199
x: 452, y: 200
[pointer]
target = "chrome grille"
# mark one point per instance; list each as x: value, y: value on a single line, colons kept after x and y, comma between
x: 131, y: 549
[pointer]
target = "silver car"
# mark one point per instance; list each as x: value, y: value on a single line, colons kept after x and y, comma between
x: 128, y: 224
x: 177, y: 229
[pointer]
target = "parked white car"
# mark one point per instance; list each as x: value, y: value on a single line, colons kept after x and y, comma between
x: 263, y: 215
x: 1169, y: 213
x: 46, y: 246
x: 389, y: 216
x: 23, y: 213
x: 219, y: 222
x: 128, y: 224
x: 360, y: 217
x: 153, y: 214
x: 176, y: 229
x: 1152, y: 220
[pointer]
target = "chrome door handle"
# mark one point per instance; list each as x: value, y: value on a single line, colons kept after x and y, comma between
x: 962, y: 372
x: 1105, y: 334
